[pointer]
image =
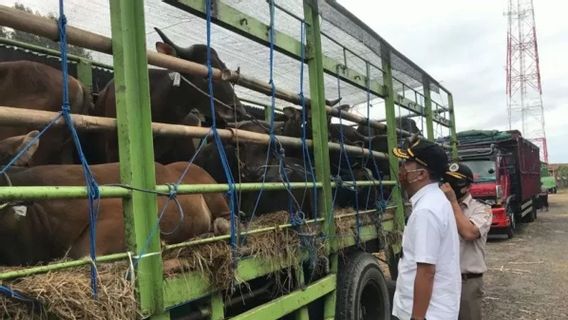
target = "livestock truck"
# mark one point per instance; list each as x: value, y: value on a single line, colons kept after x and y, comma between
x: 506, y: 170
x: 320, y: 267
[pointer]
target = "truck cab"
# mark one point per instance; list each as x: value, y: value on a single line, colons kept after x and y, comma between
x: 506, y: 171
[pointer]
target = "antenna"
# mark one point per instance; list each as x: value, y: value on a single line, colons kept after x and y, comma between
x: 523, y: 85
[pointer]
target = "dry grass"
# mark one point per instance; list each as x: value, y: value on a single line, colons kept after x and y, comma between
x: 67, y: 294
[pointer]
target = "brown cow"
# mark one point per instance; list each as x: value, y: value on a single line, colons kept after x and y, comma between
x: 32, y: 85
x: 42, y: 230
x: 173, y: 96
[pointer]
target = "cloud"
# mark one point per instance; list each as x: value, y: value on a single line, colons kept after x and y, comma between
x: 463, y: 44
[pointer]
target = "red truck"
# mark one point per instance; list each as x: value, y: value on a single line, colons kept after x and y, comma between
x: 506, y: 171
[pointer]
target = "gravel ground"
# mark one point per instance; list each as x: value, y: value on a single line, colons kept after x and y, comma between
x: 528, y: 274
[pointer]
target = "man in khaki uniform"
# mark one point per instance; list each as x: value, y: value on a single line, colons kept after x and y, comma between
x: 473, y: 219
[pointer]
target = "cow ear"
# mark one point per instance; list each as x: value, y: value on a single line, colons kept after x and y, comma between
x: 166, y: 49
x: 26, y: 157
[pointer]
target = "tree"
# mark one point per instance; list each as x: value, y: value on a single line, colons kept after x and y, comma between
x: 562, y: 173
x: 37, y: 40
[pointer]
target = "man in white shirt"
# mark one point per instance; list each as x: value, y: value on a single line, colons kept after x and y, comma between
x: 429, y: 280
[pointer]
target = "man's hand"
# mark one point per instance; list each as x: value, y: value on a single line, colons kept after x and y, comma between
x: 449, y: 192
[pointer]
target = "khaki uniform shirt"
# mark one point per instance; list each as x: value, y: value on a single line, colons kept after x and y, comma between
x: 472, y: 253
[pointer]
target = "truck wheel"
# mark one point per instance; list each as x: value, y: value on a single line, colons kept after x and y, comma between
x: 512, y: 224
x: 362, y: 292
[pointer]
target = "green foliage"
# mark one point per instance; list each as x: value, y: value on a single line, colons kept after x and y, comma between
x: 37, y: 40
x: 562, y: 173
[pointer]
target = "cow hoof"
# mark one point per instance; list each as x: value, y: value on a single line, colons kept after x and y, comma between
x: 221, y: 226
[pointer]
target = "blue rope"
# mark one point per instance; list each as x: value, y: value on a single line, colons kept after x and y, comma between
x: 224, y: 161
x: 274, y: 147
x: 172, y: 193
x: 355, y: 189
x: 10, y: 293
x: 305, y: 150
x: 91, y: 184
x: 29, y: 144
x: 381, y: 205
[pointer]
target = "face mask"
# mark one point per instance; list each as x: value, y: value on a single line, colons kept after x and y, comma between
x: 403, y: 176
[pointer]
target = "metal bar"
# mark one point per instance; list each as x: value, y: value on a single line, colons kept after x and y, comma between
x: 454, y: 139
x: 387, y: 222
x: 345, y: 49
x: 321, y: 152
x: 247, y: 26
x: 38, y: 119
x: 136, y: 152
x: 45, y: 27
x: 383, y: 43
x: 79, y: 192
x: 193, y: 286
x: 303, y: 312
x: 217, y: 307
x: 390, y: 111
x: 60, y: 266
x: 428, y: 109
x: 85, y: 73
x: 282, y: 306
x: 51, y: 52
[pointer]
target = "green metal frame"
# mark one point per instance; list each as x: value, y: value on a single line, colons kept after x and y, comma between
x: 392, y: 140
x: 232, y: 19
x: 157, y: 295
x: 136, y: 149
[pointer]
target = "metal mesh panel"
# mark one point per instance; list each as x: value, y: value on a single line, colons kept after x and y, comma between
x: 344, y: 39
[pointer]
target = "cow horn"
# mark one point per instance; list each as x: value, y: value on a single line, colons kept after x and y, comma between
x: 333, y: 102
x: 168, y: 41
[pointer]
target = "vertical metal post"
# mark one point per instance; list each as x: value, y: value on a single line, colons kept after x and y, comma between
x: 428, y: 109
x: 391, y: 137
x: 136, y: 150
x: 85, y: 73
x: 320, y: 137
x: 303, y: 312
x: 217, y: 307
x: 453, y: 133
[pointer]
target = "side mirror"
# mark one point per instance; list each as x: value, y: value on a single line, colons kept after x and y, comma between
x: 491, y: 171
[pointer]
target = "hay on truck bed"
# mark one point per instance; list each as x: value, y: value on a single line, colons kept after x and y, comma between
x: 66, y: 294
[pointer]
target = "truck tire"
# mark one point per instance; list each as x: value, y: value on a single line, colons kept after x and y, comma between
x: 512, y: 224
x: 362, y: 292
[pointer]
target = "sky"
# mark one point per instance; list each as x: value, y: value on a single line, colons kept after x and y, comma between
x: 461, y: 43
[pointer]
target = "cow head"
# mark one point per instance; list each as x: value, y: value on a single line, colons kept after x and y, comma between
x: 193, y: 118
x: 224, y: 92
x: 407, y: 124
x: 9, y: 147
x: 293, y: 124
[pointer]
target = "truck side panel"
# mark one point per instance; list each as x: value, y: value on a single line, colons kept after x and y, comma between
x: 529, y: 166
